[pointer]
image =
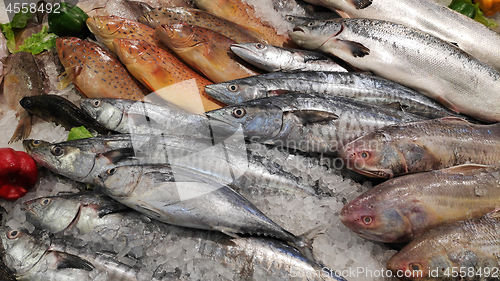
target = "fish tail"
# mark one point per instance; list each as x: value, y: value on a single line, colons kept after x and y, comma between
x: 23, y: 129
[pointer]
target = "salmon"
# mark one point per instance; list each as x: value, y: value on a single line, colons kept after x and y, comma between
x: 95, y: 72
x: 237, y: 32
x: 205, y: 50
x: 163, y: 73
x: 244, y: 14
x: 107, y: 28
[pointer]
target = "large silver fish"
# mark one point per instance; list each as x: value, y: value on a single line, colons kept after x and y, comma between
x: 408, y: 56
x: 307, y: 122
x: 429, y: 17
x: 363, y: 87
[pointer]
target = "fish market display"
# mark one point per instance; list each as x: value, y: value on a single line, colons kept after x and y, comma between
x: 457, y: 80
x: 429, y: 17
x: 272, y: 58
x: 168, y: 16
x: 470, y: 246
x: 21, y: 79
x: 422, y: 146
x: 95, y: 72
x: 367, y: 88
x: 53, y: 108
x: 307, y: 122
x: 403, y: 208
x: 158, y: 69
x: 205, y: 50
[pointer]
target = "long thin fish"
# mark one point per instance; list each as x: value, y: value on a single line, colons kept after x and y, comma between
x: 408, y: 56
x: 307, y: 122
x: 423, y: 146
x: 363, y: 87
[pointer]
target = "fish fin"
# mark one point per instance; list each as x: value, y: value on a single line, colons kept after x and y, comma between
x: 454, y: 44
x: 357, y: 49
x: 110, y: 207
x: 306, y: 239
x: 446, y: 103
x: 69, y: 76
x: 115, y: 156
x: 494, y: 213
x: 23, y: 129
x: 227, y: 231
x: 452, y: 119
x: 70, y: 261
x: 361, y: 4
x: 315, y: 116
x: 465, y: 168
x: 395, y: 105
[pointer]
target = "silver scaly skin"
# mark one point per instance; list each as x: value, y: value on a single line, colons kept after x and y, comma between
x: 307, y: 122
x: 363, y: 87
x: 429, y: 17
x: 408, y: 56
x: 271, y: 58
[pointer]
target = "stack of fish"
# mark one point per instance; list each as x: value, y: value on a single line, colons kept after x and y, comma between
x: 201, y: 108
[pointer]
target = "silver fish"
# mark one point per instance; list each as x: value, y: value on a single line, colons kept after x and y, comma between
x: 308, y: 122
x: 31, y: 259
x: 431, y: 18
x: 363, y: 87
x: 271, y: 257
x: 180, y: 196
x: 408, y: 56
x: 271, y: 58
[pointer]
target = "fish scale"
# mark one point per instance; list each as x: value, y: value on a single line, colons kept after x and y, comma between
x: 95, y: 72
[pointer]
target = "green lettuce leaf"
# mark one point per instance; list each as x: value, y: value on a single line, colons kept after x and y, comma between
x: 79, y: 133
x: 39, y: 42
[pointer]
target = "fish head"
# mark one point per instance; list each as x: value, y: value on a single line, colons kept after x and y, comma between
x: 256, y: 121
x: 129, y: 50
x: 30, y: 104
x: 237, y: 91
x: 374, y: 155
x: 105, y: 26
x: 54, y: 213
x: 313, y: 34
x: 31, y: 144
x: 22, y: 250
x: 258, y: 53
x: 178, y: 35
x: 374, y: 216
x: 106, y: 112
x: 120, y: 181
x: 67, y: 48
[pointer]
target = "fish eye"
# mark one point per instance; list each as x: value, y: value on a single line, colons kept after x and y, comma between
x: 233, y: 88
x: 96, y: 103
x: 311, y: 23
x: 365, y: 155
x: 289, y: 18
x: 57, y: 150
x: 239, y: 112
x: 415, y: 266
x: 260, y: 46
x: 111, y: 171
x: 37, y: 142
x: 367, y: 220
x: 13, y: 234
x: 46, y: 201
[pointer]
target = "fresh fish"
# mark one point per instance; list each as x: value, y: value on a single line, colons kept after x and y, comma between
x: 22, y: 79
x: 53, y: 108
x: 431, y: 18
x: 31, y: 259
x: 403, y: 208
x: 307, y: 122
x: 6, y: 274
x: 244, y: 14
x: 168, y: 16
x: 271, y: 58
x: 206, y: 51
x: 469, y: 246
x: 158, y: 69
x: 106, y: 29
x: 4, y: 52
x: 422, y: 146
x: 182, y: 197
x: 122, y: 8
x: 364, y: 87
x: 95, y: 72
x: 269, y: 256
x: 420, y: 61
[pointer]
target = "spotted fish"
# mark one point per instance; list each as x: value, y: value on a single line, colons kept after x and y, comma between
x: 95, y: 72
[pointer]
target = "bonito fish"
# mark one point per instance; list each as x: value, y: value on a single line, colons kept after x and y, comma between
x: 467, y: 246
x: 408, y: 56
x: 423, y: 146
x: 95, y: 72
x: 430, y: 17
x: 404, y: 208
x: 363, y: 87
x: 307, y: 122
x: 22, y: 79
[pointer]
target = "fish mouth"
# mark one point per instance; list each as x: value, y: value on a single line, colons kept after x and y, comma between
x: 383, y: 173
x: 236, y: 48
x: 301, y: 29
